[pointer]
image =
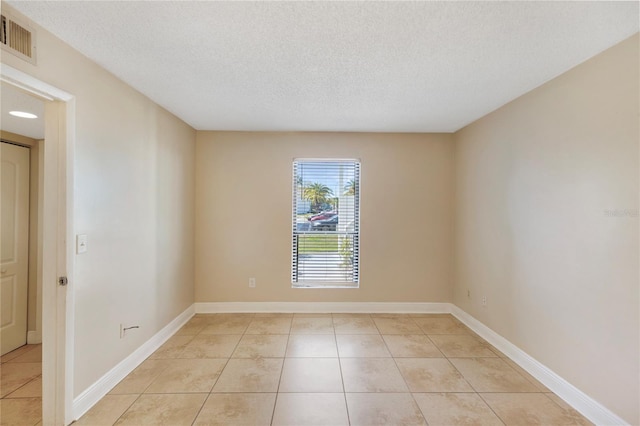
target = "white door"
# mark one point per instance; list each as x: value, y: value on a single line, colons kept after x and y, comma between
x: 14, y: 247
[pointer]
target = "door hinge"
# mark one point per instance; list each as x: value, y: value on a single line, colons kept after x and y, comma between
x: 63, y: 281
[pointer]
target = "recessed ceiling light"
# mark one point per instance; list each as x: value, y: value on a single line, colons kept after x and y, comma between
x: 23, y: 114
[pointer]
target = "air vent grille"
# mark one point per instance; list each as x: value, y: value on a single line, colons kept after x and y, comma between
x: 17, y: 39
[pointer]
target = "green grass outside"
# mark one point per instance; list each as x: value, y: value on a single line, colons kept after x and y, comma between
x: 317, y: 243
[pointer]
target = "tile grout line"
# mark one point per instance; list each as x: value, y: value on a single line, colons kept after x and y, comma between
x: 491, y: 408
x: 125, y: 410
x: 344, y: 389
x: 401, y: 375
x: 221, y: 370
x: 475, y: 391
x: 7, y: 396
x: 275, y: 402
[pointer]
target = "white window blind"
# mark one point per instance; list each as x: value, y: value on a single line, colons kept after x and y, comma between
x: 326, y: 223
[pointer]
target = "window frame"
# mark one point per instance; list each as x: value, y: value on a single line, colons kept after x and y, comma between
x: 355, y: 234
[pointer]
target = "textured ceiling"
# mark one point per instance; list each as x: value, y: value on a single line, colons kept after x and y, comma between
x: 16, y: 100
x: 335, y: 66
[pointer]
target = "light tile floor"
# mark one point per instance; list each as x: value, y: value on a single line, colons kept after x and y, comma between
x: 21, y: 386
x: 328, y: 369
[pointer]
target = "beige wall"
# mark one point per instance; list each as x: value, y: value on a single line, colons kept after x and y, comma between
x: 534, y: 182
x: 243, y: 215
x: 134, y: 198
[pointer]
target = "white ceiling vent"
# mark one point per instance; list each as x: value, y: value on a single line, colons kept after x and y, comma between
x: 18, y: 39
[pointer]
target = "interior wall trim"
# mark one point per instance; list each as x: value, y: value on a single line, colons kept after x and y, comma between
x: 580, y: 401
x: 87, y: 399
x: 324, y: 307
x: 583, y: 403
x: 34, y: 337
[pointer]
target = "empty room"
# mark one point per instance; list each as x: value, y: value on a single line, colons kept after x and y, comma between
x: 320, y: 213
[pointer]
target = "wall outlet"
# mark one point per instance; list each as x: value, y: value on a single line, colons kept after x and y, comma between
x: 468, y: 294
x: 484, y: 300
x: 122, y: 331
x: 252, y: 283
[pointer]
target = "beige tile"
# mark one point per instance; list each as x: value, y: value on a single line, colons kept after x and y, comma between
x: 354, y: 325
x: 371, y: 375
x: 450, y: 409
x: 390, y: 315
x: 397, y: 325
x: 570, y: 411
x: 261, y: 346
x: 140, y: 378
x: 529, y: 377
x: 33, y: 389
x: 529, y: 409
x: 369, y: 409
x: 250, y: 375
x: 237, y: 409
x: 22, y: 411
x: 493, y: 348
x: 362, y: 346
x: 187, y: 375
x: 311, y: 375
x: 432, y: 375
x: 17, y: 352
x: 194, y: 326
x: 232, y: 315
x: 269, y: 325
x: 16, y: 375
x: 232, y: 318
x: 227, y: 325
x: 272, y: 315
x: 205, y: 317
x: 172, y: 348
x: 441, y: 325
x: 462, y: 346
x: 312, y: 345
x: 211, y: 346
x: 308, y: 409
x: 492, y: 375
x: 431, y: 316
x: 350, y: 315
x: 171, y: 409
x: 107, y: 411
x: 33, y: 355
x: 312, y: 315
x: 312, y: 325
x: 411, y: 345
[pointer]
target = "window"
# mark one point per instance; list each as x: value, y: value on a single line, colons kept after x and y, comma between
x: 326, y: 223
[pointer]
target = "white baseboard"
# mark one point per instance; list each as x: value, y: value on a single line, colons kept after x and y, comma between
x: 34, y: 337
x: 323, y: 307
x: 587, y: 406
x: 87, y: 399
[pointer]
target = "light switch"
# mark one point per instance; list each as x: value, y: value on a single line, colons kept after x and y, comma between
x: 81, y: 243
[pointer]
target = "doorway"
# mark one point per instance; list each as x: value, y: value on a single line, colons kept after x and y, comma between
x: 22, y: 136
x: 56, y: 196
x: 14, y: 248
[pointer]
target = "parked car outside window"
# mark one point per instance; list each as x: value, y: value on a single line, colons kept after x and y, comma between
x: 323, y: 216
x: 325, y: 224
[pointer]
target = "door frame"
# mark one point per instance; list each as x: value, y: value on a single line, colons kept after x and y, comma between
x: 57, y: 244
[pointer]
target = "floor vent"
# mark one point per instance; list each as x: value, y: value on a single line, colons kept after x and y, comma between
x: 18, y: 39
